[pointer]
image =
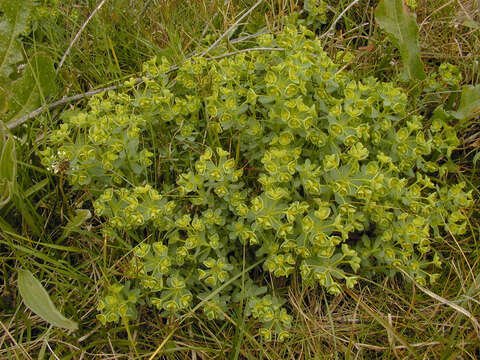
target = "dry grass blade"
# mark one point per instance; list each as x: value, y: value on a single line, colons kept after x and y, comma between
x: 100, y: 4
x: 454, y: 306
x: 231, y: 28
x: 27, y: 356
x: 402, y: 347
x: 382, y: 322
x: 338, y: 19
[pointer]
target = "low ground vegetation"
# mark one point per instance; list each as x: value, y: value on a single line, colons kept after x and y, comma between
x: 301, y: 183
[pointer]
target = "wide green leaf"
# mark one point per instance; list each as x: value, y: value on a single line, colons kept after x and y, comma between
x: 394, y: 17
x: 14, y: 22
x: 20, y: 93
x: 36, y: 298
x: 469, y: 103
x: 27, y: 92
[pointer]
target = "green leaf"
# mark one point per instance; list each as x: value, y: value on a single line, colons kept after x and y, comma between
x: 13, y: 23
x: 394, y: 17
x: 472, y: 24
x: 8, y: 166
x: 469, y: 103
x: 36, y: 298
x: 81, y: 215
x: 476, y: 158
x: 37, y: 82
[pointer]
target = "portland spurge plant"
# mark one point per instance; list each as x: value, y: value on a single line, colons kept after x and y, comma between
x: 276, y: 160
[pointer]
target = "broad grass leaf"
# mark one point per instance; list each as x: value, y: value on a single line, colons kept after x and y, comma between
x: 23, y: 94
x: 394, y: 17
x: 27, y: 92
x: 36, y: 298
x: 13, y: 22
x: 469, y: 103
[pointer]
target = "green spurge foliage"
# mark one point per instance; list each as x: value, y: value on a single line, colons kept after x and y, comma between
x: 316, y: 14
x: 277, y: 157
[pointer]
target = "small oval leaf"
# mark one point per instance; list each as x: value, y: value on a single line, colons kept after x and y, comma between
x: 36, y: 298
x: 8, y: 166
